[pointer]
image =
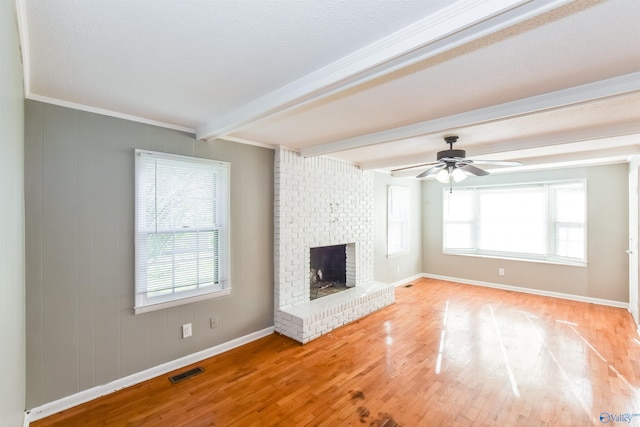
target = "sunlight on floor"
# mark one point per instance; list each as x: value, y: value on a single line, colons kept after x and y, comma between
x: 563, y: 372
x: 442, y: 334
x: 634, y: 391
x: 509, y: 334
x: 512, y: 378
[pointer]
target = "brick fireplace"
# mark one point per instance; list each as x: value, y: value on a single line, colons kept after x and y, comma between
x: 322, y: 202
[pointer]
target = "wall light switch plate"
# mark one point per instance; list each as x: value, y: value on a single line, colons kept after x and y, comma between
x: 186, y: 330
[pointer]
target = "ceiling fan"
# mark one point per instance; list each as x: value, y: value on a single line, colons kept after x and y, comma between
x: 452, y: 165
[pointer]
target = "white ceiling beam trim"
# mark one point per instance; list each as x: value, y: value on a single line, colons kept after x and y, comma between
x: 502, y: 150
x: 508, y: 150
x: 572, y: 96
x: 453, y: 26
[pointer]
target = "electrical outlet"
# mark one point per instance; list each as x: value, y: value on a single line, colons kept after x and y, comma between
x: 501, y: 271
x: 213, y: 321
x: 186, y: 330
x: 397, y: 269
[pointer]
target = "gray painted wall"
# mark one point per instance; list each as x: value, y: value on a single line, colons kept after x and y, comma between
x: 398, y: 267
x: 81, y: 330
x: 12, y: 305
x: 606, y: 275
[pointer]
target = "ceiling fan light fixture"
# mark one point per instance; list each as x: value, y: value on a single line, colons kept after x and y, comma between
x: 443, y: 176
x: 458, y: 175
x: 451, y: 173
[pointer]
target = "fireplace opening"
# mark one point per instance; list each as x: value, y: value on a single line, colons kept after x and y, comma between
x: 327, y: 271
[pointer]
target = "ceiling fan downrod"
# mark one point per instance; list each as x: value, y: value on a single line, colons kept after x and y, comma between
x: 451, y: 153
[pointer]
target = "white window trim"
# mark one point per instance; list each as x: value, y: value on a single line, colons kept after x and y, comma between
x: 144, y: 305
x: 549, y: 258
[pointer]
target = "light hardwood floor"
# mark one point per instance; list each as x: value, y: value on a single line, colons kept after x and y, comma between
x: 444, y: 354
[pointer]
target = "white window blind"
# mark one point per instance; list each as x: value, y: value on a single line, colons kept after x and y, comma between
x: 568, y: 220
x: 540, y: 221
x: 398, y: 220
x: 182, y: 230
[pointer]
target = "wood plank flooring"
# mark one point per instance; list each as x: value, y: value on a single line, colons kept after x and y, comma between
x: 445, y: 354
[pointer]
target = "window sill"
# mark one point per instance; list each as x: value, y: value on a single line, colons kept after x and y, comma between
x: 534, y: 260
x: 182, y: 301
x: 397, y: 254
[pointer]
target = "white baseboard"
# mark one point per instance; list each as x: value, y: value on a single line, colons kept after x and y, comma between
x: 59, y: 405
x: 571, y: 297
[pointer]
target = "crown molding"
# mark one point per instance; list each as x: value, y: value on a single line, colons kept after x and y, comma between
x: 615, y: 86
x: 451, y: 27
x: 109, y: 113
x: 23, y: 33
x: 246, y: 142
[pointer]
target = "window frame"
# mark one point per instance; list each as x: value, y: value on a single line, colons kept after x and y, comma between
x: 551, y: 239
x: 396, y: 217
x: 145, y: 303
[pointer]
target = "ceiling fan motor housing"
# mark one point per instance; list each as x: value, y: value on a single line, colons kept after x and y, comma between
x: 451, y: 154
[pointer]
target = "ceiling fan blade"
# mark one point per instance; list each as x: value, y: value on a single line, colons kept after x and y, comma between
x: 432, y: 170
x: 414, y: 167
x: 496, y: 162
x: 472, y: 169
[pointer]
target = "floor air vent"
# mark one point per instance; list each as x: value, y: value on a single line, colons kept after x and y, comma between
x: 187, y: 374
x: 409, y: 285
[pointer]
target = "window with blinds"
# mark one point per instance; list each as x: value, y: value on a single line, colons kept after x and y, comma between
x: 181, y: 231
x: 398, y: 204
x: 538, y: 221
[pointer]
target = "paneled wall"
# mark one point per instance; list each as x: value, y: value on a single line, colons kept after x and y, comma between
x: 12, y: 305
x: 81, y: 330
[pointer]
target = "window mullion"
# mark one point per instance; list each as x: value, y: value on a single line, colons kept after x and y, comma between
x: 475, y: 220
x: 550, y: 220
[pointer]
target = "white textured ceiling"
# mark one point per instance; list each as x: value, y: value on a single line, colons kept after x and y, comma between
x: 374, y: 82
